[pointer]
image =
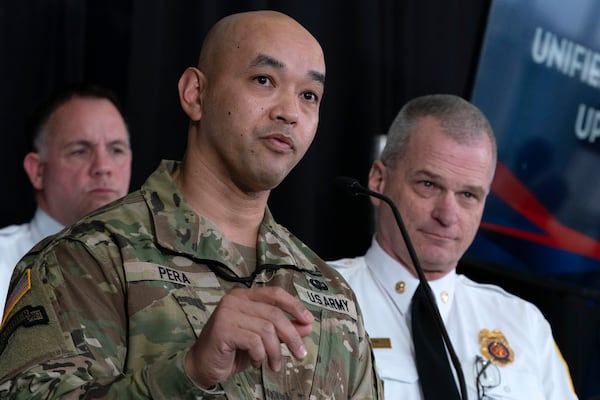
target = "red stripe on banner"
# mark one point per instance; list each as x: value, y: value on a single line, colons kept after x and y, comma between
x: 507, y: 187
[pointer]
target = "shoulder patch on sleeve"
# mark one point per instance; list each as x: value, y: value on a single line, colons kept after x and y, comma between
x: 22, y: 287
x: 27, y: 316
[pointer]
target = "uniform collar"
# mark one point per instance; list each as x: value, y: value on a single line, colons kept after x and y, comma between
x: 179, y: 228
x: 400, y: 285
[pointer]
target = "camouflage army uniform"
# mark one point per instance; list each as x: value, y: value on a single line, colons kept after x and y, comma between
x: 114, y: 302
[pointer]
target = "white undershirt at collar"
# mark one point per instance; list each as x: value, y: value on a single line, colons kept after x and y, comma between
x: 43, y: 225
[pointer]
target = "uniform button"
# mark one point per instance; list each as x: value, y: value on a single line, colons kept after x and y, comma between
x: 400, y: 287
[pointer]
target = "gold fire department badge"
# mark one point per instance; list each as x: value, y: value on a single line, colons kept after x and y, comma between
x: 495, y: 347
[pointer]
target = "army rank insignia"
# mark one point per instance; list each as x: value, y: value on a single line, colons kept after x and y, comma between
x: 495, y: 347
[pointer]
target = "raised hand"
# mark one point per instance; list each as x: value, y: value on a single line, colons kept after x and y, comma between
x: 246, y: 328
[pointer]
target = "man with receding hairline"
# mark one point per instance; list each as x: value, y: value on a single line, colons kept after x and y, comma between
x: 188, y: 288
x: 80, y: 160
x: 437, y: 166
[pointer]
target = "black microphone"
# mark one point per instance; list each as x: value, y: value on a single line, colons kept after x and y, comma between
x: 352, y: 186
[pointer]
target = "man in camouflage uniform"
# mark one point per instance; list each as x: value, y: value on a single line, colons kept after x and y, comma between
x: 188, y: 288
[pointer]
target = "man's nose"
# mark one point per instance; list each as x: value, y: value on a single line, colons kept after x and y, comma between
x: 446, y: 209
x: 287, y: 108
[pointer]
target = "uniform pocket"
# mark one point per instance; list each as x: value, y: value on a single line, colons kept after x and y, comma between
x: 514, y: 385
x: 197, y: 304
x: 394, y: 365
x: 398, y: 372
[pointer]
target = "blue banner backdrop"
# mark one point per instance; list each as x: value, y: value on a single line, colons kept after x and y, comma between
x: 538, y: 81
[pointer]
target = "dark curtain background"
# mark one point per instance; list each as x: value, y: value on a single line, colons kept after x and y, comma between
x: 379, y: 54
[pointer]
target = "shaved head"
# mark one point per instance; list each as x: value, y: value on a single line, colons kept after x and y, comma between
x: 234, y: 32
x: 254, y: 99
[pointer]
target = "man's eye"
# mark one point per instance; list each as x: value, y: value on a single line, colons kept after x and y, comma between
x: 310, y: 96
x: 117, y: 150
x: 263, y: 80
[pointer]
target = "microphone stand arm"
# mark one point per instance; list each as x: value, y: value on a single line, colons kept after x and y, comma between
x: 358, y: 189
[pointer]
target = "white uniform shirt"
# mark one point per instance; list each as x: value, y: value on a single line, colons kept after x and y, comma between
x: 384, y: 290
x: 17, y: 240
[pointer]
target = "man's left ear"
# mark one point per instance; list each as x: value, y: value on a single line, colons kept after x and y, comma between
x: 191, y: 87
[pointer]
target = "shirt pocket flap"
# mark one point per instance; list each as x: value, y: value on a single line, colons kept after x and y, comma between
x: 395, y: 365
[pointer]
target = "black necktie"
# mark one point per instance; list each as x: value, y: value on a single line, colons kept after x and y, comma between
x: 433, y: 367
